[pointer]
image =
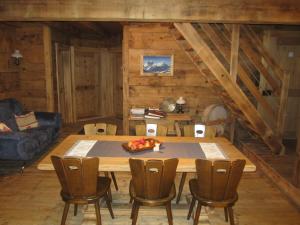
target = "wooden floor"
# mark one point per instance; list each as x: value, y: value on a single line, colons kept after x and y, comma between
x: 33, y: 199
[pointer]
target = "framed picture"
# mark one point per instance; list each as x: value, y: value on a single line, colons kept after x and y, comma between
x: 160, y: 65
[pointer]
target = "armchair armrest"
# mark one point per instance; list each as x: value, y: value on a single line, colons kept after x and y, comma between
x: 49, y: 119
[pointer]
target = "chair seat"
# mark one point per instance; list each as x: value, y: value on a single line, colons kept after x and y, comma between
x: 152, y: 202
x: 208, y: 202
x: 103, y: 184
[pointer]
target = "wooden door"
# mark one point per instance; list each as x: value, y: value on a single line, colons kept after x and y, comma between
x: 87, y: 82
x: 64, y: 81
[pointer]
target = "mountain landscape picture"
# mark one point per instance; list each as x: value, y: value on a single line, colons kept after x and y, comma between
x: 160, y: 65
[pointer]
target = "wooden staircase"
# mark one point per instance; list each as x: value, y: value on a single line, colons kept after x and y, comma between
x: 233, y: 61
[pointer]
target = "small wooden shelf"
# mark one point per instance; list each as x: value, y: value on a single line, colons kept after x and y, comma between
x: 170, y: 116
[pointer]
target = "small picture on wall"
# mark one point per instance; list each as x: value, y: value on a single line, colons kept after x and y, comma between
x: 161, y: 65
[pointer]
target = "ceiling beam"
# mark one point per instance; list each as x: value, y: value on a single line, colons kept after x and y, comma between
x: 221, y: 11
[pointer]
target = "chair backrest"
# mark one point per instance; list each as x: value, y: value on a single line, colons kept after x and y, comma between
x: 89, y: 129
x: 153, y: 179
x: 218, y: 180
x: 100, y: 129
x: 141, y: 130
x: 77, y: 176
x: 189, y: 131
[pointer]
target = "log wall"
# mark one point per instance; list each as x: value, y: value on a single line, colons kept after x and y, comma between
x: 150, y: 91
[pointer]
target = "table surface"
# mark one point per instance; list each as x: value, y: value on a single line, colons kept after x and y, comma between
x: 121, y: 163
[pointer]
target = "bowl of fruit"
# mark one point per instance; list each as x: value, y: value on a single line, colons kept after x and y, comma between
x: 140, y: 144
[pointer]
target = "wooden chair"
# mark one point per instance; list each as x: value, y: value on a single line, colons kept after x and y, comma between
x: 216, y: 186
x: 102, y: 129
x: 81, y: 184
x: 189, y: 131
x: 152, y: 184
x: 141, y: 130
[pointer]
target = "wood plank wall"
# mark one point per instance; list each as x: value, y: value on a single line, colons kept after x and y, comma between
x: 281, y: 43
x: 29, y: 40
x: 155, y: 39
x: 9, y: 73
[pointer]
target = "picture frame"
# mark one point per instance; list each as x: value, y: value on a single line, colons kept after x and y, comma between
x: 157, y: 65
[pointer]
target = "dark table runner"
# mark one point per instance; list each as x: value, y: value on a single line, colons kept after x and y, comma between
x: 167, y: 150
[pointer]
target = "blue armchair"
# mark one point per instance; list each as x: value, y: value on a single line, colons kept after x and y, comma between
x: 24, y: 145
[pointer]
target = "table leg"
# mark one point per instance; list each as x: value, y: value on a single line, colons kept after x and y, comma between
x: 183, y: 177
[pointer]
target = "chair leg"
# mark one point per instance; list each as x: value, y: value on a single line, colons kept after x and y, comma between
x: 75, y: 209
x: 109, y: 206
x: 135, y: 212
x: 65, y: 213
x: 114, y: 180
x: 182, y: 181
x: 169, y: 213
x: 226, y: 214
x: 97, y: 209
x: 131, y: 199
x: 191, y: 208
x: 132, y: 209
x: 197, y: 215
x: 231, y: 218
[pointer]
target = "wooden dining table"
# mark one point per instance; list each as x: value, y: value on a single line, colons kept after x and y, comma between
x: 120, y: 164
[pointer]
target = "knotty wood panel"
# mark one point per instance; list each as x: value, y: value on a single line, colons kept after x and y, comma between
x: 150, y: 91
x: 9, y: 73
x: 258, y: 11
x: 87, y: 83
x: 29, y: 40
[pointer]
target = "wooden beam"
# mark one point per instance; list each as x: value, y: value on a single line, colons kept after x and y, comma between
x: 48, y: 68
x: 255, y: 59
x: 234, y: 57
x: 278, y: 72
x: 234, y: 63
x: 222, y: 47
x: 235, y: 93
x: 229, y: 11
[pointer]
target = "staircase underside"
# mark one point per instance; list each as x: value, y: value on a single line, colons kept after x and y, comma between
x: 214, y: 69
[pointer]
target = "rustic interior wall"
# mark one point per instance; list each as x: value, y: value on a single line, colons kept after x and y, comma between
x: 284, y: 45
x: 9, y: 73
x: 29, y: 40
x: 150, y: 91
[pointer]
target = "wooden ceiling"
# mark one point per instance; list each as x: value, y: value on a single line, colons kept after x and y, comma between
x: 220, y: 11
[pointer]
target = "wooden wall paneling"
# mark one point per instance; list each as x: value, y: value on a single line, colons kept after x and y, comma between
x: 118, y: 83
x: 9, y: 73
x: 255, y: 11
x: 48, y: 68
x: 125, y: 59
x: 86, y: 82
x: 30, y: 42
x: 65, y: 83
x: 143, y: 91
x: 107, y: 83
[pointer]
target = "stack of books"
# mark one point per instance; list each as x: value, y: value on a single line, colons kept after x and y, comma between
x: 154, y: 114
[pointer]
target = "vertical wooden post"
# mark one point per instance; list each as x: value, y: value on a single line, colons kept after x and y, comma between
x: 125, y: 81
x: 47, y: 40
x: 296, y: 175
x: 235, y: 39
x: 283, y: 107
x: 73, y: 86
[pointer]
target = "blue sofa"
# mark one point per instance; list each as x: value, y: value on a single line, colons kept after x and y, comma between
x: 24, y: 145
